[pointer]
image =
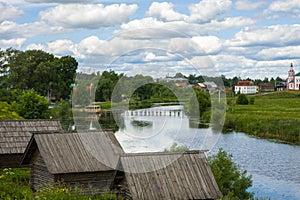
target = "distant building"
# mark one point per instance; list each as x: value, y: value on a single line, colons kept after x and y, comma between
x: 206, y: 86
x: 180, y: 82
x: 245, y: 87
x: 266, y: 87
x: 280, y: 86
x: 293, y: 80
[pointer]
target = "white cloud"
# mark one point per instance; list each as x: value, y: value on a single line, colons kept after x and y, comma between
x: 16, y: 43
x: 284, y: 5
x: 247, y: 5
x: 91, y: 16
x: 58, y: 1
x: 286, y: 52
x: 153, y: 28
x: 275, y: 35
x: 209, y: 44
x: 36, y: 46
x: 9, y: 29
x: 207, y: 10
x: 60, y: 47
x: 8, y: 12
x: 165, y: 12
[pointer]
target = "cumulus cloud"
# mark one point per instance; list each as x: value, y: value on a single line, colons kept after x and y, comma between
x: 8, y: 12
x: 9, y: 29
x: 207, y: 10
x: 148, y: 28
x: 209, y: 44
x: 287, y: 52
x: 58, y: 1
x: 16, y: 43
x: 283, y: 8
x: 284, y: 5
x: 247, y: 5
x: 90, y: 16
x: 275, y: 35
x: 165, y: 12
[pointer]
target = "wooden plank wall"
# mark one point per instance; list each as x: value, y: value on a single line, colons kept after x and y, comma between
x: 91, y: 183
x: 39, y: 176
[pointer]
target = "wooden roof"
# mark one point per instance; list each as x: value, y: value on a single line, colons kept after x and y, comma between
x: 75, y: 152
x: 15, y: 134
x: 177, y: 176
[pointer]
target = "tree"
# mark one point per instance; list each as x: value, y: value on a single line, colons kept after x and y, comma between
x: 199, y: 103
x: 232, y: 182
x: 31, y: 105
x: 6, y: 112
x: 176, y: 148
x: 242, y: 99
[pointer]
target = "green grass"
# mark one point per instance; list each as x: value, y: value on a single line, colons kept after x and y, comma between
x: 274, y: 116
x: 14, y: 184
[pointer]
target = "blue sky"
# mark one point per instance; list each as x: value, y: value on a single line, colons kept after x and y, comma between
x: 243, y: 38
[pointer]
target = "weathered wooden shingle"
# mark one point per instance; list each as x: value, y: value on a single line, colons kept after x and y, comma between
x: 15, y: 134
x: 168, y: 176
x: 75, y: 152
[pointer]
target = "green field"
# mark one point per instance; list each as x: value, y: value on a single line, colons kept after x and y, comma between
x: 273, y: 116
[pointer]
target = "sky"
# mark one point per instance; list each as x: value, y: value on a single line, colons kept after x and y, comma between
x: 243, y: 38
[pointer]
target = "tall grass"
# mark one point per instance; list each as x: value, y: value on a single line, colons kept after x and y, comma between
x: 273, y: 116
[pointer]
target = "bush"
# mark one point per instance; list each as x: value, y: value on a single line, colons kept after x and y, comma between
x: 242, y: 99
x: 232, y: 182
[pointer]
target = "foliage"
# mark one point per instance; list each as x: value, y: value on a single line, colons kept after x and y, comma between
x: 6, y: 112
x: 38, y: 70
x: 14, y: 184
x: 199, y: 103
x: 31, y: 105
x: 176, y: 148
x: 62, y: 111
x: 231, y: 180
x: 242, y: 99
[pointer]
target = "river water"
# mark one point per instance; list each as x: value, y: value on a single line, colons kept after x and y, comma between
x: 275, y: 167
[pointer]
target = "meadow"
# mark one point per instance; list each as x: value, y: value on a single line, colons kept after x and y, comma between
x: 273, y: 116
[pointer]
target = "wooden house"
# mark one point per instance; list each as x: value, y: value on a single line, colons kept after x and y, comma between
x: 15, y: 135
x: 150, y: 176
x: 87, y: 159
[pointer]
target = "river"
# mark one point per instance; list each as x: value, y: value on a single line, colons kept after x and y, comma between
x: 275, y: 167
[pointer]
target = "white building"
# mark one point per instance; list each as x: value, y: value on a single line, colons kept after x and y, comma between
x: 245, y: 87
x: 293, y: 80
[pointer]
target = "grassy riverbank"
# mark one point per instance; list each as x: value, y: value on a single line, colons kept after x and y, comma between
x: 272, y: 116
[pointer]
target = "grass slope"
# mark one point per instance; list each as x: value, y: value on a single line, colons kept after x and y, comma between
x: 273, y: 116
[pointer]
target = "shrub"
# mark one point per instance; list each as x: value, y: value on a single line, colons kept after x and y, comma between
x: 242, y: 99
x: 232, y: 182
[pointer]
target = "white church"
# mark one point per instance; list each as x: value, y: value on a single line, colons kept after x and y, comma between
x: 293, y: 80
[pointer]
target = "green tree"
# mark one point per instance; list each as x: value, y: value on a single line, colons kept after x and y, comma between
x: 242, y: 99
x: 199, y: 103
x: 176, y: 148
x: 6, y: 112
x: 62, y: 111
x: 31, y: 105
x: 232, y: 182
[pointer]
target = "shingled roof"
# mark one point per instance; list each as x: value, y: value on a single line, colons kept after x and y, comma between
x: 75, y: 152
x: 15, y: 134
x: 173, y: 176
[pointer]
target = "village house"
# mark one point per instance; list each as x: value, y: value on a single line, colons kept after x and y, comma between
x: 266, y: 87
x: 15, y: 136
x: 86, y: 159
x: 293, y: 80
x: 245, y: 87
x: 96, y: 162
x: 166, y: 175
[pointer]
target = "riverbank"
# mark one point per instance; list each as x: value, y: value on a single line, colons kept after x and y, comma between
x: 272, y: 116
